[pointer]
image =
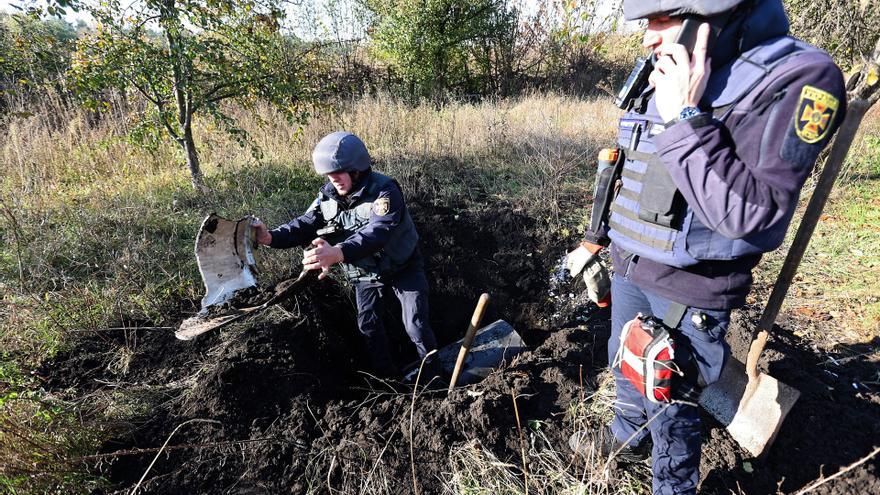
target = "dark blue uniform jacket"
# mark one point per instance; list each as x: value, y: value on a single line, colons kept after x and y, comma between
x: 303, y: 229
x: 739, y: 177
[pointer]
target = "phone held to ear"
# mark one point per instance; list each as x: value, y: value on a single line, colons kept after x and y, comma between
x: 638, y: 79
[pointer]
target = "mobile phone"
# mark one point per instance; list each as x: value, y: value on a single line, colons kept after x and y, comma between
x: 691, y: 25
x: 688, y: 34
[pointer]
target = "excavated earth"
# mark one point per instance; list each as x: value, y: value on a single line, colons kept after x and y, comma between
x: 276, y: 404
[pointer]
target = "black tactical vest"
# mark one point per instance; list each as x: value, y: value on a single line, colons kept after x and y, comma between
x: 344, y: 220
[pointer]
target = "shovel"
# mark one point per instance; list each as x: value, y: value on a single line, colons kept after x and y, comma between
x: 752, y: 405
x: 197, y: 325
x: 224, y: 252
x: 469, y: 338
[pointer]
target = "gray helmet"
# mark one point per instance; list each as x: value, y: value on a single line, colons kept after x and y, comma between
x: 642, y: 9
x: 340, y: 152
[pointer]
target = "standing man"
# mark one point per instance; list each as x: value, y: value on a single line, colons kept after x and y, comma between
x: 714, y: 152
x: 360, y: 221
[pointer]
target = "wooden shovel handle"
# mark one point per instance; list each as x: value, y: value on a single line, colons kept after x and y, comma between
x: 469, y: 338
x: 836, y: 157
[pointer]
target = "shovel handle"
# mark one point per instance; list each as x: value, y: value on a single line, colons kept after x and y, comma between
x: 855, y: 112
x: 469, y: 338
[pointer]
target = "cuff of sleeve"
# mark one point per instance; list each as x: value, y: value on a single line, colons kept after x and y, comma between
x: 591, y: 247
x: 276, y: 240
x: 700, y: 120
x: 348, y: 251
x: 681, y: 130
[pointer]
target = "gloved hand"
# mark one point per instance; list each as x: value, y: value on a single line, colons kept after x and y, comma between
x: 585, y: 259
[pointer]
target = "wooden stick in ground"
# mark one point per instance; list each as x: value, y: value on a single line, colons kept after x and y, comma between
x: 522, y: 444
x: 469, y: 338
x: 836, y: 158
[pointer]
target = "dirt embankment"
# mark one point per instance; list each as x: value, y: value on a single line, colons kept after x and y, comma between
x: 276, y: 404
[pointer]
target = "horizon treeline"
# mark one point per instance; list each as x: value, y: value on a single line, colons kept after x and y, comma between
x: 434, y: 49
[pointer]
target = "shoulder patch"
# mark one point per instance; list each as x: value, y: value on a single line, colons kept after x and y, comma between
x: 815, y: 113
x: 382, y: 206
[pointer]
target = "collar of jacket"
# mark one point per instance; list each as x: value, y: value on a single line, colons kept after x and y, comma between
x: 749, y: 27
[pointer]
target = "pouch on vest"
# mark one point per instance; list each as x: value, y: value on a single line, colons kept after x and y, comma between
x: 646, y: 357
x: 607, y: 174
x: 659, y: 201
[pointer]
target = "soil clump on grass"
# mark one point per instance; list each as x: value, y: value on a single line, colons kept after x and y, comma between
x: 276, y: 403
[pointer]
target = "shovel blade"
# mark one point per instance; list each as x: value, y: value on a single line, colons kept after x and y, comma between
x: 492, y: 344
x: 225, y: 258
x: 751, y: 412
x: 191, y: 328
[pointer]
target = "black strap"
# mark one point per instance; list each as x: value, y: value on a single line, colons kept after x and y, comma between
x: 674, y: 314
x: 692, y: 383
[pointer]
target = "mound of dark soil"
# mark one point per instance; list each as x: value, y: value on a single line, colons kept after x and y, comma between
x: 275, y: 404
x: 833, y: 424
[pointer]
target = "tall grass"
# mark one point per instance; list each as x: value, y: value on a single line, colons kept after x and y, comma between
x: 834, y: 300
x: 97, y: 232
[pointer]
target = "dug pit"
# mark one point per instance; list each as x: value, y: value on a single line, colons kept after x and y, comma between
x: 276, y: 404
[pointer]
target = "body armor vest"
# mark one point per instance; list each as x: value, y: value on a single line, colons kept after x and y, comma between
x: 648, y: 216
x: 343, y: 221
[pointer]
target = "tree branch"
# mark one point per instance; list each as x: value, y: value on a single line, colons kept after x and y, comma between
x: 168, y: 126
x: 865, y: 84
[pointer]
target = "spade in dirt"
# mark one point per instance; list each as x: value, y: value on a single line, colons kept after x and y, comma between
x: 224, y: 252
x: 752, y: 405
x: 480, y: 351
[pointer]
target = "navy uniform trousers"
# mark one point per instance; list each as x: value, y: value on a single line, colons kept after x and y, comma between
x: 411, y: 288
x: 673, y: 427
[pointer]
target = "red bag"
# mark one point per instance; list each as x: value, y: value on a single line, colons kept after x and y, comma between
x: 645, y: 357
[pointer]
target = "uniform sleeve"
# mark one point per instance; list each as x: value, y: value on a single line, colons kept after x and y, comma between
x: 743, y: 179
x: 388, y: 210
x: 299, y: 231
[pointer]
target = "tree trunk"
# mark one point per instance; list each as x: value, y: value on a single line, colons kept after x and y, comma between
x: 192, y: 160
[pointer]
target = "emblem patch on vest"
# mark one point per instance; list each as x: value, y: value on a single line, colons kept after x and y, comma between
x: 815, y: 113
x: 382, y: 206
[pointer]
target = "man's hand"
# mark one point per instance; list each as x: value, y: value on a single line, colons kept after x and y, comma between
x: 598, y: 282
x: 679, y: 80
x: 322, y: 256
x: 263, y: 236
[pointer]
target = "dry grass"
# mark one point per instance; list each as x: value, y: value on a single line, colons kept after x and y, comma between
x: 834, y: 298
x: 97, y: 232
x: 552, y: 469
x: 89, y: 217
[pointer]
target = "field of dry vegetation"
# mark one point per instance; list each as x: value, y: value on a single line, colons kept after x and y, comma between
x: 97, y: 234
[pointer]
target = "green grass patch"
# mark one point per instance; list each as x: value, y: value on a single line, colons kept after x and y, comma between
x: 836, y: 294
